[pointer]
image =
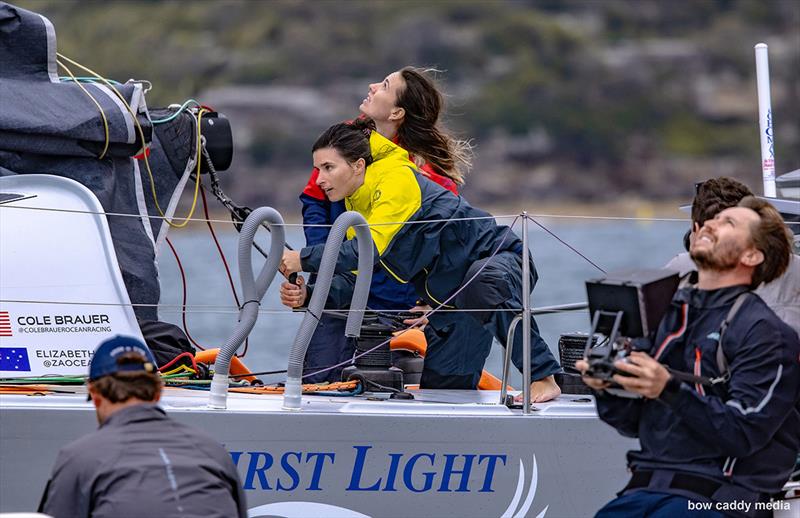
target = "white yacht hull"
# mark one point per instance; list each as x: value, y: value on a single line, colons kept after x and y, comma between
x: 447, y: 453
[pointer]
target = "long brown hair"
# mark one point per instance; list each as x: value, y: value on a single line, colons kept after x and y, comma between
x: 422, y: 134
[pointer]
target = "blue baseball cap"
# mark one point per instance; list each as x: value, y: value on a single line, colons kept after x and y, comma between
x: 106, y: 357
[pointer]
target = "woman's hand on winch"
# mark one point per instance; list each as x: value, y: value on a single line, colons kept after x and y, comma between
x: 420, y: 322
x: 290, y: 263
x: 294, y: 295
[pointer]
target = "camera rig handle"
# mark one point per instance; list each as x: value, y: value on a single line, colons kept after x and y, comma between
x: 596, y: 316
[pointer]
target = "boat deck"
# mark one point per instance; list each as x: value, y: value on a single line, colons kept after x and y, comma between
x: 425, y: 402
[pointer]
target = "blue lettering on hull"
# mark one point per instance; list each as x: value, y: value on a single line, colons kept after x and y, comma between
x: 416, y: 472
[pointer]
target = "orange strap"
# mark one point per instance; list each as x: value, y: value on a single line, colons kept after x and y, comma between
x: 25, y: 390
x: 209, y: 356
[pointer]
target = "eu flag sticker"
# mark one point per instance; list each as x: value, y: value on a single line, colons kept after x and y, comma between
x: 14, y: 359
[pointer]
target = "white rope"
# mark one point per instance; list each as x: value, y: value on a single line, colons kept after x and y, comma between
x: 169, y: 215
x: 140, y: 202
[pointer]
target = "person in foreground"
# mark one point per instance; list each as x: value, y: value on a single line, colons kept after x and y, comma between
x: 456, y: 243
x: 721, y: 450
x: 139, y: 462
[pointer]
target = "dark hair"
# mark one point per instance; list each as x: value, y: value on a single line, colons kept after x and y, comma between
x: 715, y: 195
x: 350, y: 139
x: 122, y: 386
x: 771, y: 236
x: 421, y: 133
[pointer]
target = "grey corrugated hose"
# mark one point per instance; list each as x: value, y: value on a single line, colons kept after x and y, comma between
x: 293, y: 391
x: 252, y: 292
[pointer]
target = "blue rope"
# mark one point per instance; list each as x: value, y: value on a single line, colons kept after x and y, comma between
x: 180, y: 110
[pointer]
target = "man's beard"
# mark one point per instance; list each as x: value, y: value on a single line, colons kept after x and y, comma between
x: 719, y: 258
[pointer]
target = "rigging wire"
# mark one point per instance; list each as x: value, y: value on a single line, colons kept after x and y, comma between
x: 224, y: 262
x: 565, y: 243
x: 328, y: 225
x: 183, y: 276
x: 183, y: 305
x: 205, y: 308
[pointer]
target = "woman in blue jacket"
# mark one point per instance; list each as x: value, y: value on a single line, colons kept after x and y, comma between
x: 405, y: 108
x: 456, y: 243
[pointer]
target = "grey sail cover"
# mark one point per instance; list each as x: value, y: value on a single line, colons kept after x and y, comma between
x: 53, y: 127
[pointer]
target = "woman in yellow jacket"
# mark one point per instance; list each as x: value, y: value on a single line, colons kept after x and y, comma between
x: 456, y: 243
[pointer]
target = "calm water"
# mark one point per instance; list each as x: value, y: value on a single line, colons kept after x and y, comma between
x: 609, y: 244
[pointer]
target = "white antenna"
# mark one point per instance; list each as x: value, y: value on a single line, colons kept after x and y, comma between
x: 765, y: 120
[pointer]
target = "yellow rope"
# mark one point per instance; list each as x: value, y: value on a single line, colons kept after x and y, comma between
x: 197, y: 174
x: 144, y: 146
x: 180, y: 368
x: 102, y: 113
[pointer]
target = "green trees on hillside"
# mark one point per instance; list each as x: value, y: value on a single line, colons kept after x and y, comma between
x: 612, y: 86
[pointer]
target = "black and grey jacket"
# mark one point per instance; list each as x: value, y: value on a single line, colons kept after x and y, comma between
x: 142, y: 463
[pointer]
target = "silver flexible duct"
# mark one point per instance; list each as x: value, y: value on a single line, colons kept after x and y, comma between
x: 252, y: 291
x: 293, y: 392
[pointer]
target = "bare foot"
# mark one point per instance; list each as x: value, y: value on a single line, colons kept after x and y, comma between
x: 543, y: 390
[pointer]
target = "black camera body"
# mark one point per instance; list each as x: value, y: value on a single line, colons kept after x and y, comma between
x: 601, y: 359
x: 625, y: 304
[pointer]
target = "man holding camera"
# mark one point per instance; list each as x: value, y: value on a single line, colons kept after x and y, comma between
x: 722, y: 447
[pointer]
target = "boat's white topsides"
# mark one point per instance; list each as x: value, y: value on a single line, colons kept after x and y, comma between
x: 427, y: 402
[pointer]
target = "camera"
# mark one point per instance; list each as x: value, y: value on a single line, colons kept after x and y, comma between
x: 624, y: 305
x: 601, y: 359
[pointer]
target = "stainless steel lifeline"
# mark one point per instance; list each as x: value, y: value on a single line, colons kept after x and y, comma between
x: 526, y: 319
x: 507, y: 358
